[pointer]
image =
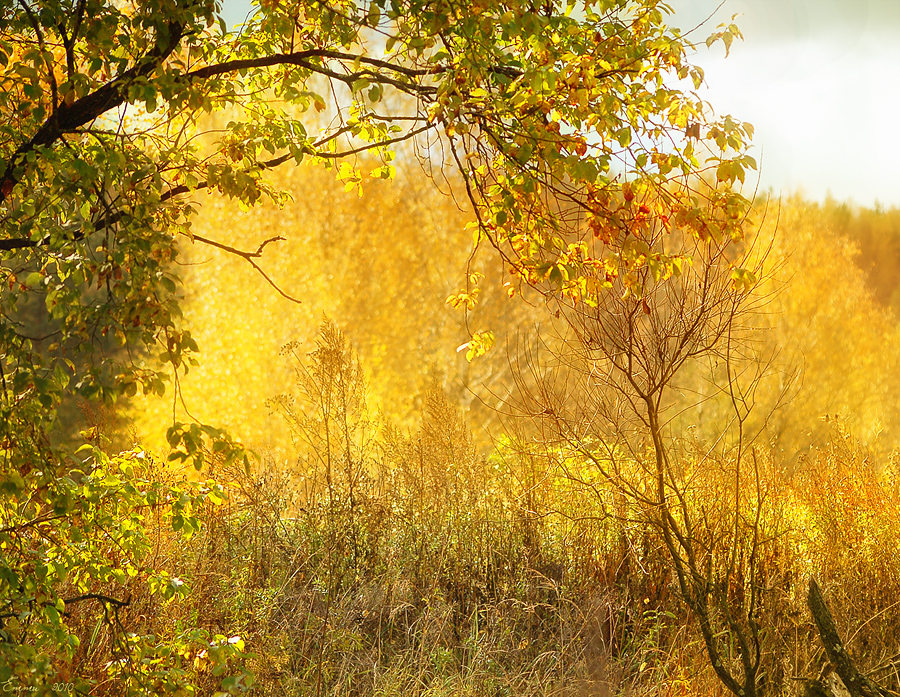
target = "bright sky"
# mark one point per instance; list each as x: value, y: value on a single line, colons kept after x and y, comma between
x: 820, y: 81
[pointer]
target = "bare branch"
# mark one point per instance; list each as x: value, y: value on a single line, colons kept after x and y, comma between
x: 249, y: 257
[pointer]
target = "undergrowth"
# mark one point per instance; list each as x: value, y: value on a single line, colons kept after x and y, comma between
x: 379, y: 562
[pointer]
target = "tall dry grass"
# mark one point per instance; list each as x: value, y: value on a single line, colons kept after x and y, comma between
x: 384, y: 562
x: 408, y: 564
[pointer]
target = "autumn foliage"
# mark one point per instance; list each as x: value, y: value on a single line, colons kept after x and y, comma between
x: 409, y: 347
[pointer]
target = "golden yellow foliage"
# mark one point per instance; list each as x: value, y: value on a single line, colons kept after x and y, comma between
x: 824, y: 344
x: 380, y: 266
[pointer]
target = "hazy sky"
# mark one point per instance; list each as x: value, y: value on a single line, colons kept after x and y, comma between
x: 820, y: 81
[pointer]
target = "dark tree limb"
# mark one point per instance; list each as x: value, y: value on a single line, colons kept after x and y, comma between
x: 68, y: 118
x: 857, y: 684
x: 302, y: 59
x: 100, y: 598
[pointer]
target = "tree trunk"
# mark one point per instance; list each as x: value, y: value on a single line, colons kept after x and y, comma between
x: 858, y: 685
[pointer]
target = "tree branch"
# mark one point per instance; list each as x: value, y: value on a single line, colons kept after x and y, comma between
x: 16, y: 529
x: 67, y: 118
x: 302, y: 58
x: 857, y: 684
x: 379, y: 144
x: 99, y: 597
x: 249, y: 258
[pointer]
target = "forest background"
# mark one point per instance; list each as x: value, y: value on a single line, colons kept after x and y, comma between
x: 439, y: 496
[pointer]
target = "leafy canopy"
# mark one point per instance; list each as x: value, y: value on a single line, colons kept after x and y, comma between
x: 579, y: 147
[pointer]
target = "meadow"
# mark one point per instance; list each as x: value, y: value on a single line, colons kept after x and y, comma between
x: 401, y: 533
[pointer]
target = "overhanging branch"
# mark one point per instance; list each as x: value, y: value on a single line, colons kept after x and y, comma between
x: 15, y: 243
